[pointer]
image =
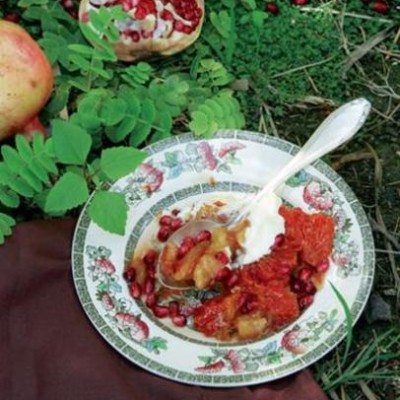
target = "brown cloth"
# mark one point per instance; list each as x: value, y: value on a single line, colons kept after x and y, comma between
x: 49, y: 349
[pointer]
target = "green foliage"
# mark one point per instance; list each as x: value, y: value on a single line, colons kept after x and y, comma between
x: 103, y: 112
x: 114, y: 220
x: 70, y: 191
x: 222, y: 111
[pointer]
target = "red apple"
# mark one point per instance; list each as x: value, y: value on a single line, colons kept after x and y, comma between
x: 26, y: 80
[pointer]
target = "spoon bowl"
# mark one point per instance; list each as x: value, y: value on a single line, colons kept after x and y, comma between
x: 335, y: 130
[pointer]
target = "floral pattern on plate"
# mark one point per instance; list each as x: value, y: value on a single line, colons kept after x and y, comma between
x: 179, y: 171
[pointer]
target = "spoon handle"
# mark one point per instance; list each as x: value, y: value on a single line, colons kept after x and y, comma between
x: 336, y: 129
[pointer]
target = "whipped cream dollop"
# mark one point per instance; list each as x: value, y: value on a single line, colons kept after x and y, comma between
x: 265, y: 224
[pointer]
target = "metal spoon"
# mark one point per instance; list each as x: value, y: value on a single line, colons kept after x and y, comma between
x: 336, y: 129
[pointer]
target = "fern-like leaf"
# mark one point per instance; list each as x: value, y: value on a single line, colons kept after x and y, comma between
x: 6, y: 224
x: 213, y: 73
x: 138, y: 74
x: 222, y: 111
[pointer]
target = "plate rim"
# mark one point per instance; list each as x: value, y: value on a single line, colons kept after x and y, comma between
x: 263, y: 139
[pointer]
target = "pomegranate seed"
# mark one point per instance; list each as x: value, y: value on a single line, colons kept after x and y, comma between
x: 173, y: 308
x: 381, y: 7
x: 189, y: 14
x: 232, y: 280
x: 182, y: 251
x: 188, y: 30
x: 306, y: 301
x: 129, y: 275
x: 12, y: 17
x: 223, y: 274
x: 198, y: 12
x: 179, y: 320
x: 300, y: 2
x: 165, y: 220
x: 68, y: 4
x: 202, y: 236
x: 188, y: 241
x: 149, y: 285
x: 296, y: 286
x: 272, y: 8
x: 141, y: 13
x: 249, y: 306
x: 323, y: 266
x: 166, y: 15
x: 151, y: 300
x: 223, y: 257
x: 178, y: 25
x: 135, y: 290
x: 305, y: 274
x: 160, y: 311
x: 135, y: 36
x: 163, y: 233
x: 150, y: 257
x: 151, y: 271
x: 309, y: 288
x: 278, y: 241
x: 176, y: 224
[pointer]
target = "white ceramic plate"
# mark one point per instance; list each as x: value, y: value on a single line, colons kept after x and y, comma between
x: 178, y: 172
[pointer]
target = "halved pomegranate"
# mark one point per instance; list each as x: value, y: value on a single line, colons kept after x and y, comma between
x: 163, y: 27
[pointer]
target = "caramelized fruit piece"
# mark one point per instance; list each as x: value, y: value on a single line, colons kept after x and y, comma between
x: 251, y: 326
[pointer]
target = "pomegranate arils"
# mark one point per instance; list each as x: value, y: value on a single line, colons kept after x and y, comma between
x: 150, y: 257
x: 160, y: 311
x: 272, y: 8
x: 300, y: 2
x: 306, y: 301
x: 129, y: 275
x: 179, y: 26
x: 305, y: 274
x: 297, y: 286
x: 166, y: 15
x: 323, y: 266
x: 278, y: 241
x: 179, y: 321
x: 151, y: 300
x: 183, y: 250
x: 135, y: 290
x: 165, y: 220
x: 149, y: 285
x: 173, y: 309
x: 381, y: 7
x: 202, y: 236
x: 188, y: 241
x: 232, y: 280
x: 309, y: 288
x: 223, y: 257
x: 176, y: 224
x: 223, y: 274
x: 163, y: 233
x: 12, y: 17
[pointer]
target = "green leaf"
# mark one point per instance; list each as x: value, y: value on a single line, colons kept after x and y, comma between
x: 71, y: 142
x: 23, y: 147
x: 70, y: 191
x: 21, y: 187
x: 31, y: 179
x: 37, y: 168
x: 9, y: 198
x: 117, y: 162
x: 109, y: 211
x: 5, y: 174
x: 258, y: 18
x: 113, y: 111
x: 11, y: 157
